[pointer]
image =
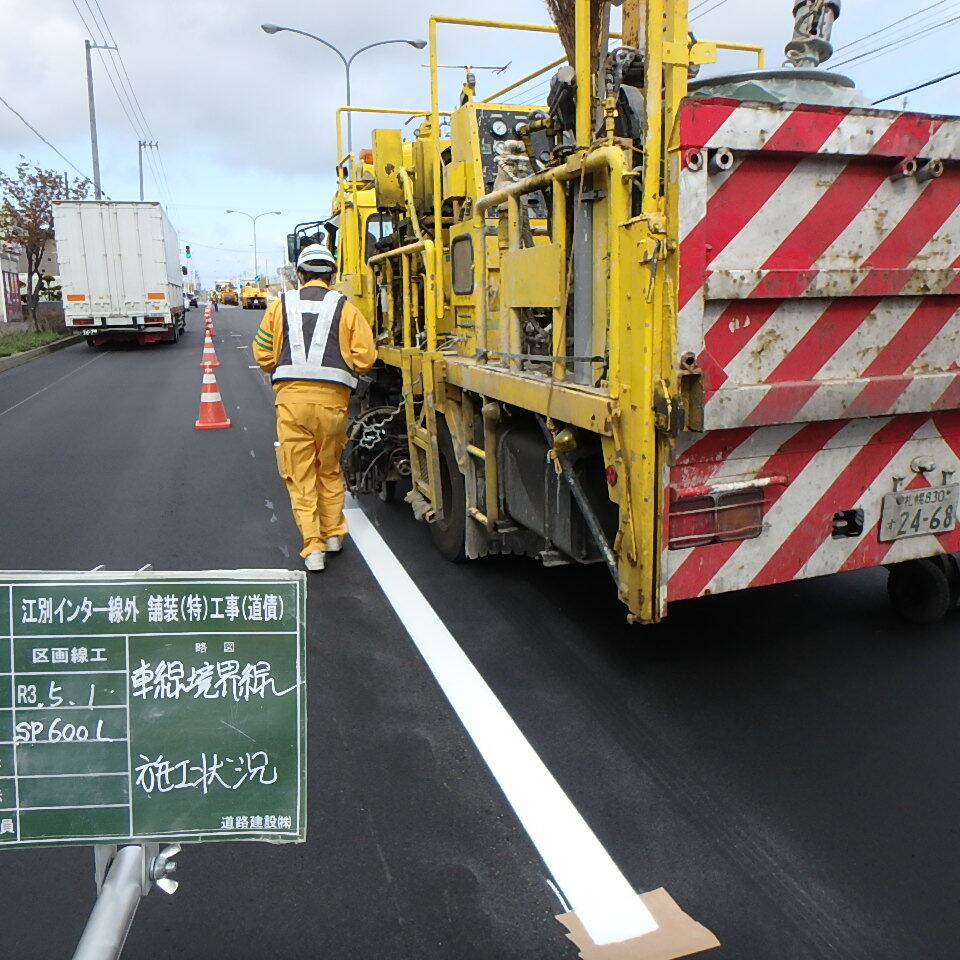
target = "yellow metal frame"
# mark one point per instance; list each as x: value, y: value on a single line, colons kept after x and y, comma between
x: 436, y: 21
x: 636, y: 307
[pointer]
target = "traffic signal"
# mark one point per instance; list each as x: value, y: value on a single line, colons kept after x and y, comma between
x: 188, y: 251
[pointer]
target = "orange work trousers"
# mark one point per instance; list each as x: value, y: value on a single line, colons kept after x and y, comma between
x: 311, y: 438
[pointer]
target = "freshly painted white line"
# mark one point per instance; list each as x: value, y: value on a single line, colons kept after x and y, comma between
x: 52, y: 383
x: 607, y: 905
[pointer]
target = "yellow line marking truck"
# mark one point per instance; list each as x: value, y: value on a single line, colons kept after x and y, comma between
x: 522, y: 269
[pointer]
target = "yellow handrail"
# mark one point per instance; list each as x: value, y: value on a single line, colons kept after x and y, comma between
x: 746, y: 48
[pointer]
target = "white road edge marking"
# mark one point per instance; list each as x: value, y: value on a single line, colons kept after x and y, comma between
x: 601, y: 896
x: 52, y: 383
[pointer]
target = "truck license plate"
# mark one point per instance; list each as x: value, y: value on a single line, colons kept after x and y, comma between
x: 914, y: 513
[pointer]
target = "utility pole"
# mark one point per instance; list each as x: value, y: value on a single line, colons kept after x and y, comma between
x: 140, y: 147
x: 88, y: 46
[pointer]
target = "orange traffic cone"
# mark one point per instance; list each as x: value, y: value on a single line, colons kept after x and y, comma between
x: 209, y: 357
x: 208, y: 328
x: 212, y: 415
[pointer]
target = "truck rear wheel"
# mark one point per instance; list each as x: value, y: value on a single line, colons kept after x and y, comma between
x: 920, y: 590
x: 449, y: 531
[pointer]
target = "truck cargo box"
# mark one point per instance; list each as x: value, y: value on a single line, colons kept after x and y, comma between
x: 120, y: 270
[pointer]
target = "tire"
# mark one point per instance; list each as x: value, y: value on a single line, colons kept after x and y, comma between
x: 449, y: 532
x: 948, y: 563
x: 920, y: 591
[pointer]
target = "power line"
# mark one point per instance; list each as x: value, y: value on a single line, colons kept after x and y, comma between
x: 34, y: 130
x: 126, y: 95
x: 532, y: 93
x: 124, y: 98
x: 892, y: 45
x: 158, y: 169
x: 890, y: 26
x: 126, y: 113
x: 702, y: 13
x: 123, y: 66
x: 919, y: 86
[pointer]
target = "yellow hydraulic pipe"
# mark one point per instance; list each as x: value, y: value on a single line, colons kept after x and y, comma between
x: 437, y: 171
x: 514, y: 343
x: 654, y: 97
x: 407, y: 185
x: 597, y: 159
x: 406, y: 300
x: 559, y: 237
x: 583, y: 66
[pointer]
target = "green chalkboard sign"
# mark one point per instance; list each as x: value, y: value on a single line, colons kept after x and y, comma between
x: 152, y: 706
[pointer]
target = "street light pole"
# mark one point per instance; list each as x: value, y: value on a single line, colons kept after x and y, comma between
x: 272, y: 28
x: 253, y: 219
x: 88, y: 46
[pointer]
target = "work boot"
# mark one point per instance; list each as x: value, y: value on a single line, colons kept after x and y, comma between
x: 334, y: 545
x: 314, y: 561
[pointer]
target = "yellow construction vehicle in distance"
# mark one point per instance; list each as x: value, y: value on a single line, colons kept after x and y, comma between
x: 227, y: 294
x: 253, y: 296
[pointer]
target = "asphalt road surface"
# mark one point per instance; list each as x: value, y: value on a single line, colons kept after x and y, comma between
x: 784, y: 762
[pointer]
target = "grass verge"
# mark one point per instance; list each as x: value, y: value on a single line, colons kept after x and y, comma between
x: 11, y: 343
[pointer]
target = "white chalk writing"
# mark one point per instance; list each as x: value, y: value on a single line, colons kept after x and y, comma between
x: 222, y: 680
x: 208, y: 772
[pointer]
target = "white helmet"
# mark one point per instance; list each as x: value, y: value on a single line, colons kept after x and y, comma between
x: 316, y: 258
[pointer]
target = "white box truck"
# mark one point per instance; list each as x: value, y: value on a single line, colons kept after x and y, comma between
x: 120, y: 271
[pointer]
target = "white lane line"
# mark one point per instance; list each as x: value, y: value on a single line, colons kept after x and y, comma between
x: 604, y: 901
x: 53, y: 383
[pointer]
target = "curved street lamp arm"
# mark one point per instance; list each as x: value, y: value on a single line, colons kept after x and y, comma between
x: 326, y: 43
x: 370, y: 46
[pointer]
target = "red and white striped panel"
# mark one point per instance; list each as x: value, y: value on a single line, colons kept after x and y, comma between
x: 812, y: 285
x: 827, y: 467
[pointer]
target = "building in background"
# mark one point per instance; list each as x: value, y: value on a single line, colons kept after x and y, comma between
x: 12, y: 305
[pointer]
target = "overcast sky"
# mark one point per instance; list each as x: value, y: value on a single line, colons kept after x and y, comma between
x: 245, y: 120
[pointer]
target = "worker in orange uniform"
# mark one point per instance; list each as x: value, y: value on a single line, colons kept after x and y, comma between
x: 315, y: 345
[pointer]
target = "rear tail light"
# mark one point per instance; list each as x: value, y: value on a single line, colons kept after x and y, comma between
x: 716, y: 518
x: 154, y: 319
x: 82, y: 323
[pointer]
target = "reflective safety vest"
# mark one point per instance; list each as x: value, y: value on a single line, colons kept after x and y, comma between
x: 311, y: 338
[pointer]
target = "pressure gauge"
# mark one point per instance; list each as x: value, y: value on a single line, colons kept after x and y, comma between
x: 519, y: 126
x: 499, y: 128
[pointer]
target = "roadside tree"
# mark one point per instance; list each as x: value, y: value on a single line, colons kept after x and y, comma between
x: 26, y: 218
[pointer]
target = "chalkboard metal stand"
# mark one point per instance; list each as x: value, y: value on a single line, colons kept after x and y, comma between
x: 124, y: 876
